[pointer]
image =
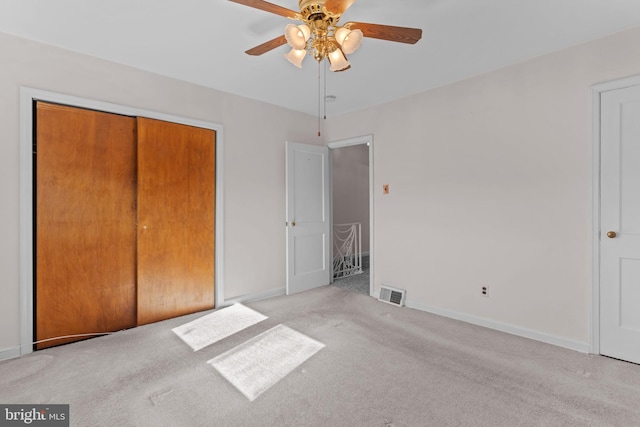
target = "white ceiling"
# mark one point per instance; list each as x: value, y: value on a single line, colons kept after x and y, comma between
x: 203, y: 41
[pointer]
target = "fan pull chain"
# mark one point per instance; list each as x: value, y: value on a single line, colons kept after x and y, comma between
x: 319, y: 95
x: 325, y: 91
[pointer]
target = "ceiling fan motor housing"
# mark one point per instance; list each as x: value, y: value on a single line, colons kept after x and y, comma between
x: 311, y: 10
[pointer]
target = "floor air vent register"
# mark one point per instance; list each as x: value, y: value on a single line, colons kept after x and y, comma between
x: 392, y: 295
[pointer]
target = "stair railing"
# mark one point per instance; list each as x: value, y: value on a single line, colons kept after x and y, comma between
x: 347, y: 243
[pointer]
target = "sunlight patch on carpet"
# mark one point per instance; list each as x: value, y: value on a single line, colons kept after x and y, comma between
x: 256, y: 365
x: 218, y: 325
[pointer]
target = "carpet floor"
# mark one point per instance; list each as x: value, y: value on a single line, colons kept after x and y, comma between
x: 380, y: 366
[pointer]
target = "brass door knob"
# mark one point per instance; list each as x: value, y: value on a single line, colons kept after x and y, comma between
x: 293, y: 223
x: 611, y: 234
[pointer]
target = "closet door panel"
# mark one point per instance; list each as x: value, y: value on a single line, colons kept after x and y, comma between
x: 176, y: 194
x: 85, y: 222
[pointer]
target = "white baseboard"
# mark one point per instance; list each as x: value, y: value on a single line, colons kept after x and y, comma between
x: 9, y: 353
x: 253, y: 297
x: 499, y: 326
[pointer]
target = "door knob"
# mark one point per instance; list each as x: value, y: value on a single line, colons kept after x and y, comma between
x: 611, y: 234
x: 293, y: 223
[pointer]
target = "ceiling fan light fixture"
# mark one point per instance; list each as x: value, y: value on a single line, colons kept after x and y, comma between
x: 337, y: 60
x: 319, y: 34
x: 296, y: 56
x: 351, y: 41
x: 297, y: 35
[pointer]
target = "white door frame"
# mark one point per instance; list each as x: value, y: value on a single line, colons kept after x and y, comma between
x: 596, y: 92
x: 365, y: 139
x: 27, y: 96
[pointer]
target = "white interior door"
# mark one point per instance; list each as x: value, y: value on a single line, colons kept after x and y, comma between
x: 308, y: 217
x: 620, y: 224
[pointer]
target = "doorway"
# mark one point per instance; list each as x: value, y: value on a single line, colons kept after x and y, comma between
x: 352, y: 213
x: 616, y: 220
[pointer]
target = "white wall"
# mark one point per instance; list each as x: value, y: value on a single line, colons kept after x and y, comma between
x: 254, y: 138
x: 490, y: 184
x: 350, y: 173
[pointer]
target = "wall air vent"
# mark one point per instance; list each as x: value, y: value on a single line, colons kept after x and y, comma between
x: 392, y: 295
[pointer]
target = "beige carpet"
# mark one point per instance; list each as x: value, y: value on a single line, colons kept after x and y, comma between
x: 381, y: 366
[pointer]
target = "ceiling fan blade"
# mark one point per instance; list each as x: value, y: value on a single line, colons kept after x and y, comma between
x: 338, y: 7
x: 266, y: 47
x: 268, y: 7
x: 388, y: 32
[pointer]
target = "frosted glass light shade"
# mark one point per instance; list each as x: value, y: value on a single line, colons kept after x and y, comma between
x: 297, y: 35
x: 295, y: 56
x: 306, y: 31
x: 341, y: 34
x: 349, y: 40
x: 338, y: 61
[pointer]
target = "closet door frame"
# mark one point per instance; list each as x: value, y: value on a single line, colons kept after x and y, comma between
x: 27, y: 116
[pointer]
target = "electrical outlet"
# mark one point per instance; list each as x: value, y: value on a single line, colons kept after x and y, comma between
x: 484, y: 291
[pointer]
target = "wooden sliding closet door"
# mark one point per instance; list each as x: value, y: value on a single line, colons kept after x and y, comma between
x: 85, y: 222
x: 176, y: 194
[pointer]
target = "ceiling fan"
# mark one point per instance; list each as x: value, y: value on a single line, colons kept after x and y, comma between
x: 320, y: 34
